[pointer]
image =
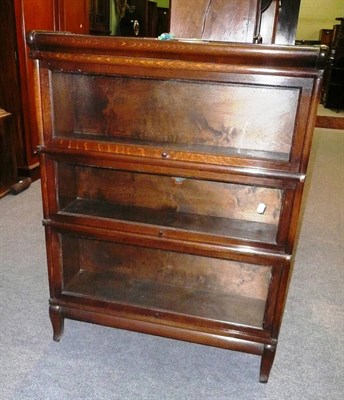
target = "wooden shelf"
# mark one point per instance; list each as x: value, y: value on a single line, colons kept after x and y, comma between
x: 222, y: 227
x: 114, y: 287
x: 180, y: 283
x: 201, y: 202
x: 106, y: 143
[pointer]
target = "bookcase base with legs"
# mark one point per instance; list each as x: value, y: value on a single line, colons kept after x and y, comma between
x: 172, y: 178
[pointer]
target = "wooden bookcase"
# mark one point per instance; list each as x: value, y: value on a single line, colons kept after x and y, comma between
x: 172, y: 176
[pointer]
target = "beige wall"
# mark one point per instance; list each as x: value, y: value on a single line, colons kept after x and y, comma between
x: 163, y: 3
x: 317, y: 14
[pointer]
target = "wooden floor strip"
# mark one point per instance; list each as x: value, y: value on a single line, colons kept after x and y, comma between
x: 329, y: 122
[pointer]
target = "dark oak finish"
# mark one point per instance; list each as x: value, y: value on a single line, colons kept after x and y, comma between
x: 172, y: 178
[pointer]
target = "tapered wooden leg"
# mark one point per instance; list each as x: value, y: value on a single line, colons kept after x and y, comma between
x: 57, y: 322
x: 266, y: 362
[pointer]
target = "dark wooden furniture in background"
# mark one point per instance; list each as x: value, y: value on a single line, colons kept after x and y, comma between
x: 99, y: 17
x: 137, y: 18
x: 8, y: 162
x: 269, y: 21
x: 10, y: 93
x: 16, y: 82
x: 325, y: 37
x: 163, y: 20
x: 286, y: 21
x: 16, y: 68
x: 144, y: 19
x: 228, y: 20
x: 172, y: 177
x: 333, y: 90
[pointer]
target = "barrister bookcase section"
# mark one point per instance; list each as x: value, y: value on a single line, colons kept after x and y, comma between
x: 172, y: 178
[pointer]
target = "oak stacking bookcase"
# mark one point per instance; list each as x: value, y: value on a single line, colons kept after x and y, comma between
x: 172, y: 175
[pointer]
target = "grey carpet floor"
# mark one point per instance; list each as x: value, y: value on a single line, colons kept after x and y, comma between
x: 95, y: 362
